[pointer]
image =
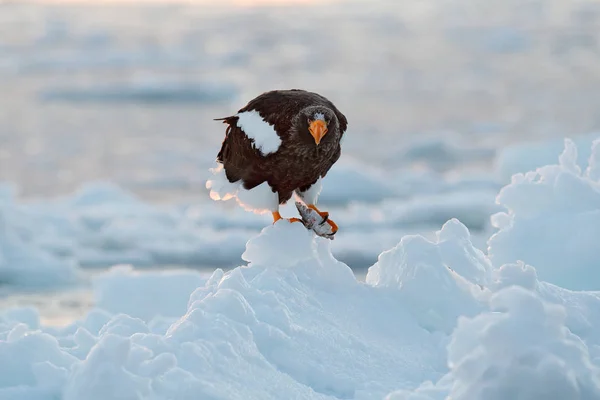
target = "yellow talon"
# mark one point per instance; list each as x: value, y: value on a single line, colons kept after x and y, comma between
x: 277, y: 217
x: 325, y: 214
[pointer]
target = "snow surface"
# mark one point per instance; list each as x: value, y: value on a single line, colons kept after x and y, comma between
x: 436, y: 317
x: 559, y: 205
x: 258, y: 130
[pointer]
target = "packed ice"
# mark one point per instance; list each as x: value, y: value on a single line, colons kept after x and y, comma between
x: 437, y: 317
x: 558, y: 205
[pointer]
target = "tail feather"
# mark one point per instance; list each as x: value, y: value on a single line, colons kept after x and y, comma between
x: 223, y: 152
x: 220, y: 187
x: 229, y: 120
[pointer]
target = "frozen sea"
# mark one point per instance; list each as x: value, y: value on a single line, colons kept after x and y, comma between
x: 106, y: 130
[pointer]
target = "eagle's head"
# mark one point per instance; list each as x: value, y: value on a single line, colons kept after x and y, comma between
x: 316, y: 124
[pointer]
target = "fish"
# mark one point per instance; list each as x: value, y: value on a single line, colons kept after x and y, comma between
x: 315, y: 222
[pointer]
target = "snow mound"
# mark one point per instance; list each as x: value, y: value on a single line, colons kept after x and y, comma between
x: 521, y: 349
x: 295, y: 322
x: 559, y: 206
x: 437, y: 281
x: 522, y: 346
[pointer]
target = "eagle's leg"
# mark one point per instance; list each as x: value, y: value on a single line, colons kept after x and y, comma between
x: 309, y: 195
x: 277, y: 217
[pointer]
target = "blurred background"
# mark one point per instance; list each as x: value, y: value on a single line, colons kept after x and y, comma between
x: 107, y: 131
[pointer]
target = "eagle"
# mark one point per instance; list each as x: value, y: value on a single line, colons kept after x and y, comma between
x: 281, y: 143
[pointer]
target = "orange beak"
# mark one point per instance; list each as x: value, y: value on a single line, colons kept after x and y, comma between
x: 318, y: 129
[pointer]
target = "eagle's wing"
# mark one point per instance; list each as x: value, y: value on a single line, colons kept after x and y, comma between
x: 238, y: 154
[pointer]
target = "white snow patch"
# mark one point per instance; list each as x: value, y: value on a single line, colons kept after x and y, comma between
x: 517, y: 274
x: 304, y: 247
x: 520, y: 348
x: 294, y: 321
x: 450, y: 267
x: 260, y: 131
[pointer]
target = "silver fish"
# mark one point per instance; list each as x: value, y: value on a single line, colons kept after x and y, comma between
x: 312, y: 220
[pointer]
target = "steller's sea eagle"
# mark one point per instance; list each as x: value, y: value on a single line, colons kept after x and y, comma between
x: 282, y: 142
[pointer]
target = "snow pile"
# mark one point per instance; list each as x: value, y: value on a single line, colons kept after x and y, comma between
x: 553, y: 221
x: 536, y: 340
x: 435, y: 319
x: 521, y: 348
x: 293, y: 321
x: 450, y: 267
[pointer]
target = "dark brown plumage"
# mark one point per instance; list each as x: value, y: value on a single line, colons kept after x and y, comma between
x: 299, y: 162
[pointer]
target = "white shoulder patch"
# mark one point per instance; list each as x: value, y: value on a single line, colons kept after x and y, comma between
x: 265, y: 138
